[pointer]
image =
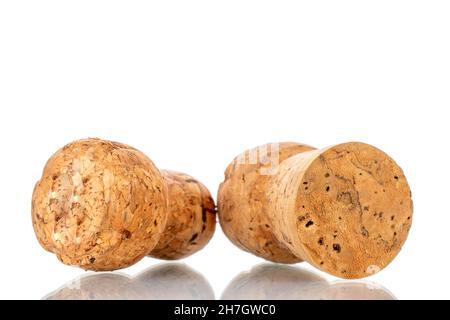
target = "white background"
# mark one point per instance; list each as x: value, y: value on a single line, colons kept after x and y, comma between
x: 194, y: 83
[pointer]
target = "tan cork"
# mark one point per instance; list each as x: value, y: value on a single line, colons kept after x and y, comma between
x: 345, y: 209
x: 242, y: 202
x: 103, y: 205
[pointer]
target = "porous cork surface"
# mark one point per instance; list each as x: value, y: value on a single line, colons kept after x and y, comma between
x: 99, y: 205
x: 242, y: 202
x: 191, y: 217
x: 345, y: 209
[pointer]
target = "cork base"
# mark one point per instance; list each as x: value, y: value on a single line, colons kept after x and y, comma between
x: 191, y: 218
x: 354, y: 210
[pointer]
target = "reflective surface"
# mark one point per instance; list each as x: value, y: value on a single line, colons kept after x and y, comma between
x: 177, y: 281
x: 280, y: 282
x: 173, y: 281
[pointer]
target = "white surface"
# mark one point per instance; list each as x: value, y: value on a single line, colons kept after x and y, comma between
x: 194, y: 83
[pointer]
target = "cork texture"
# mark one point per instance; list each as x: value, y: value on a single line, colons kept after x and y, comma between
x: 345, y: 209
x: 243, y: 205
x: 191, y: 218
x: 99, y: 205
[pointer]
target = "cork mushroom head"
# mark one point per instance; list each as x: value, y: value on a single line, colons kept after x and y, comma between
x: 99, y: 205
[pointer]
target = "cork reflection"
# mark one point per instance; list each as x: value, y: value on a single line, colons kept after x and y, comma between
x: 175, y: 281
x: 281, y: 282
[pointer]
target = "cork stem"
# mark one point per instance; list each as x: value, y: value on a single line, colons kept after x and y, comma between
x: 282, y: 194
x: 191, y: 217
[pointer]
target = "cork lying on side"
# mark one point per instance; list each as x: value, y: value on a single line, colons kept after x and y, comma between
x: 345, y: 209
x: 102, y: 205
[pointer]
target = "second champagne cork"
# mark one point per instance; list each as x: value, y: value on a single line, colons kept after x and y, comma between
x: 345, y: 209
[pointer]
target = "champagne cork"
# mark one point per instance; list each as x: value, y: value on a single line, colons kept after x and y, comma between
x: 103, y: 205
x: 345, y: 209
